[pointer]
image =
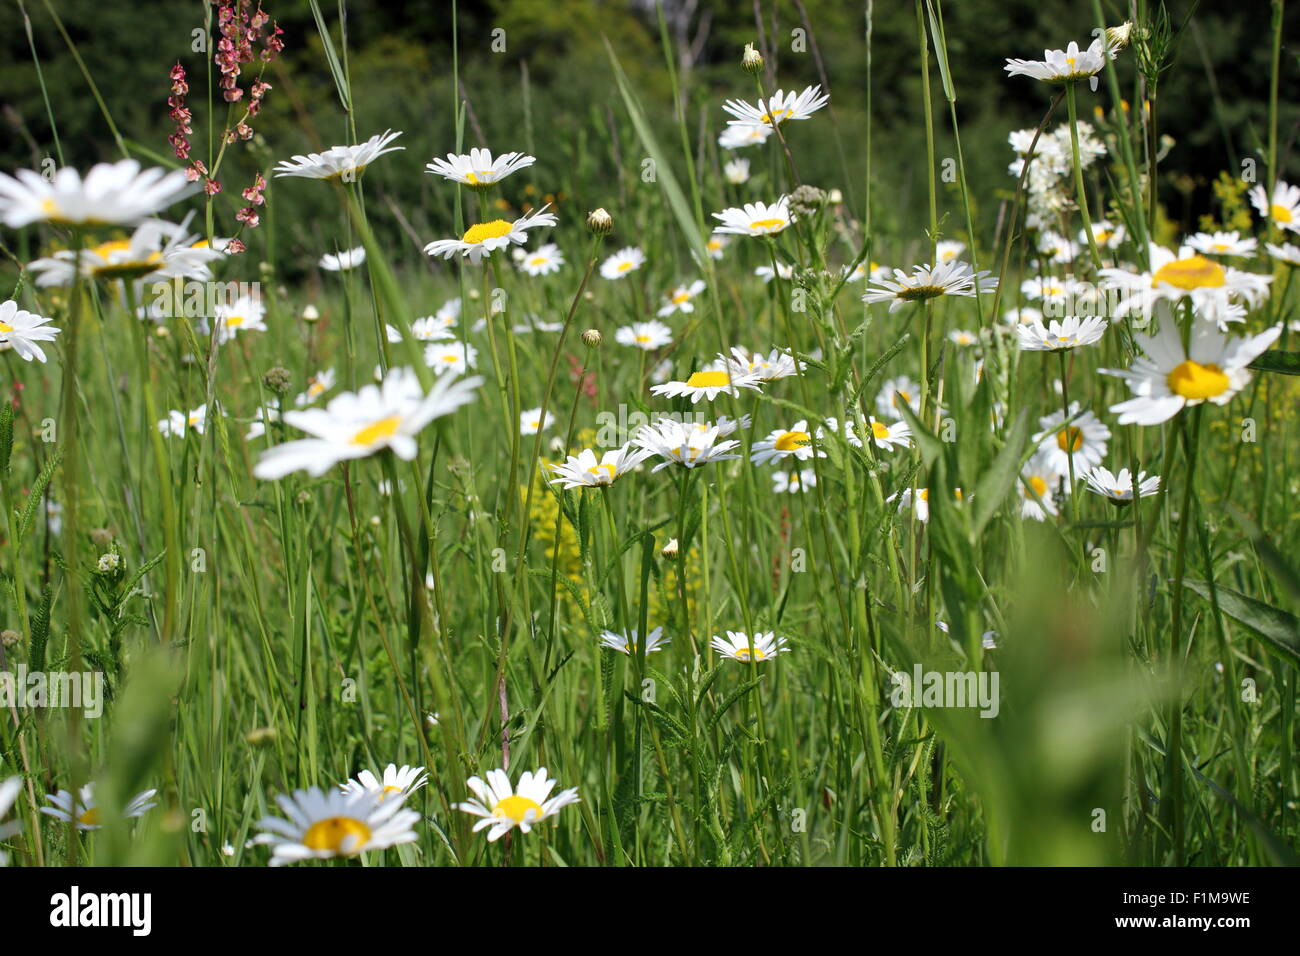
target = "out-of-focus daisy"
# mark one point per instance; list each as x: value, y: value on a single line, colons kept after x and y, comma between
x: 482, y: 239
x: 454, y: 357
x: 478, y: 169
x: 948, y: 249
x: 323, y: 824
x: 779, y: 108
x: 1038, y: 487
x: 110, y: 194
x: 794, y: 442
x: 736, y: 171
x: 244, y: 314
x: 1105, y: 234
x: 503, y: 807
x: 1025, y: 313
x: 895, y: 393
x: 1223, y: 244
x: 270, y: 412
x: 649, y: 335
x: 717, y: 246
x: 755, y: 219
x: 680, y: 299
x: 1058, y: 248
x: 963, y: 339
x: 904, y: 499
x: 759, y: 367
x: 85, y: 811
x: 402, y: 780
x: 686, y: 445
x: 793, y: 482
x: 621, y: 642
x: 339, y: 161
x: 20, y: 330
x: 344, y: 260
x: 1284, y: 253
x: 542, y: 261
x: 707, y: 384
x: 1083, y: 439
x: 1062, y: 66
x: 317, y: 385
x: 176, y: 424
x: 1058, y: 334
x: 584, y: 470
x: 530, y: 421
x: 1047, y: 288
x: 156, y: 250
x: 738, y: 646
x: 622, y: 262
x: 740, y: 135
x: 1282, y: 208
x: 1119, y: 488
x: 8, y: 796
x: 1185, y: 274
x: 949, y: 278
x: 355, y: 425
x: 1169, y: 378
x: 783, y: 271
x: 889, y: 437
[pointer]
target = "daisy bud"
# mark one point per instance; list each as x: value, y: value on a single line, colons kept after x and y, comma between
x: 751, y: 60
x: 592, y: 338
x: 162, y: 332
x: 310, y: 313
x: 1118, y: 37
x: 600, y: 222
x: 9, y: 637
x: 277, y: 380
x: 670, y: 550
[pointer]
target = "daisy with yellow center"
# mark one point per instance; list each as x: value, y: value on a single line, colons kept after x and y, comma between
x: 1211, y: 288
x: 585, y: 470
x: 1223, y: 244
x: 1057, y: 335
x: 1081, y: 436
x: 740, y: 647
x: 688, y: 445
x: 706, y: 384
x: 478, y: 169
x: 793, y: 482
x: 1282, y: 208
x: 339, y: 162
x: 775, y: 365
x: 483, y: 238
x: 628, y: 645
x: 84, y: 811
x: 755, y: 219
x: 454, y: 357
x: 780, y: 108
x: 118, y: 193
x: 618, y: 265
x: 681, y: 299
x: 399, y: 781
x: 355, y: 425
x: 795, y: 442
x: 953, y: 277
x: 1169, y: 377
x: 21, y: 330
x: 647, y: 336
x: 1119, y: 487
x: 247, y: 313
x: 895, y: 393
x: 1040, y: 483
x: 323, y: 824
x: 544, y: 260
x: 1063, y: 66
x: 501, y: 807
x: 317, y: 385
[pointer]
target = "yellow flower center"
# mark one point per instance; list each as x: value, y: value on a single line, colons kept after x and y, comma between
x: 681, y: 297
x: 90, y: 818
x: 387, y: 790
x: 791, y: 441
x: 49, y: 207
x: 899, y: 393
x: 1195, y: 272
x: 234, y: 321
x: 487, y: 230
x: 643, y: 338
x: 781, y: 116
x: 1039, y: 486
x: 1070, y: 439
x: 767, y: 224
x: 708, y: 380
x: 880, y: 430
x: 742, y: 653
x: 537, y: 261
x: 516, y: 808
x: 6, y: 327
x: 378, y: 431
x: 597, y: 469
x: 333, y: 832
x: 1280, y: 213
x: 624, y: 266
x: 1192, y: 380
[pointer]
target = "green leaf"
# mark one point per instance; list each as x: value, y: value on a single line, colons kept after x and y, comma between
x: 1279, y: 629
x: 1000, y: 477
x: 1288, y: 363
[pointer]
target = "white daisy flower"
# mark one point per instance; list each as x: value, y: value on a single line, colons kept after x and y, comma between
x: 1083, y: 439
x: 904, y: 499
x: 584, y: 470
x: 9, y: 790
x: 1048, y: 288
x: 736, y: 171
x: 1282, y: 209
x: 503, y: 807
x: 889, y: 437
x: 794, y: 442
x: 949, y: 278
x: 895, y: 393
x: 717, y: 246
x: 1105, y: 234
x: 1284, y: 253
x: 543, y: 261
x: 355, y: 425
x: 679, y: 300
x: 176, y: 424
x: 244, y: 314
x: 344, y: 260
x: 738, y: 646
x: 1026, y: 313
x: 20, y: 330
x: 482, y: 239
x: 270, y: 412
x: 1061, y: 66
x: 740, y: 135
x: 622, y: 262
x: 775, y: 365
x: 783, y: 271
x: 317, y: 385
x: 687, y: 445
x: 530, y: 421
x: 323, y: 824
x: 621, y: 642
x: 1186, y: 274
x: 401, y: 781
x: 85, y: 811
x: 777, y: 109
x: 793, y: 482
x: 339, y: 162
x: 649, y: 335
x: 1223, y: 244
x: 948, y: 249
x: 1038, y: 486
x: 1058, y: 249
x: 1068, y: 333
x: 1169, y: 378
x: 110, y: 194
x: 707, y: 384
x: 454, y: 357
x: 1119, y: 488
x: 755, y: 219
x: 479, y: 170
x: 157, y: 250
x: 963, y: 339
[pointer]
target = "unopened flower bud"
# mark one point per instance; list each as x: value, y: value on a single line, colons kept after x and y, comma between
x: 592, y: 338
x: 751, y: 60
x: 9, y: 638
x: 670, y: 550
x: 277, y: 379
x: 310, y: 313
x: 600, y: 222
